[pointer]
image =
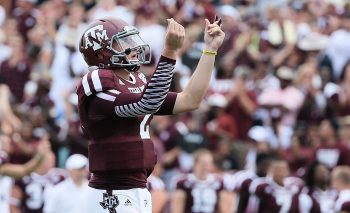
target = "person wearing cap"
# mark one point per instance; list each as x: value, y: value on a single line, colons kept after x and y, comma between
x: 287, y: 98
x: 73, y: 194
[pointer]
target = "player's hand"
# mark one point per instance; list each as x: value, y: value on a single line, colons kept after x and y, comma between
x: 213, y: 35
x: 175, y: 36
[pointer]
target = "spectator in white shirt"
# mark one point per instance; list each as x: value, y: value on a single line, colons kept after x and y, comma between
x: 339, y: 47
x: 71, y: 195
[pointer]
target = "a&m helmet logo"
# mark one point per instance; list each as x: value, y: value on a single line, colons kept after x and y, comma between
x: 94, y: 36
x: 110, y: 202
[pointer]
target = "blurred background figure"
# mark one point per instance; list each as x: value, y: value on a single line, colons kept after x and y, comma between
x: 75, y: 189
x: 155, y: 185
x: 341, y: 182
x: 28, y: 193
x: 201, y: 191
x: 317, y: 186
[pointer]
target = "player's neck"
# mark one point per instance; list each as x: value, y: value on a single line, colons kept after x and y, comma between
x: 122, y: 73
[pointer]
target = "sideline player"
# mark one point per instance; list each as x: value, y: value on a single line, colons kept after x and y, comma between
x: 201, y: 191
x: 116, y: 104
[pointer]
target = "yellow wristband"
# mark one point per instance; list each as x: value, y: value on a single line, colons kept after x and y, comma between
x: 207, y: 52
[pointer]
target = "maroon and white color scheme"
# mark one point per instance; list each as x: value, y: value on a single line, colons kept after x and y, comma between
x: 324, y: 199
x: 3, y: 158
x: 107, y: 43
x: 202, y: 196
x: 115, y: 114
x: 155, y: 183
x: 5, y: 185
x: 272, y: 197
x: 240, y: 183
x: 342, y: 204
x: 333, y: 155
x: 34, y: 188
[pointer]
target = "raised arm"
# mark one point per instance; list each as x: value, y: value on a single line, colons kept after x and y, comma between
x: 19, y: 170
x: 156, y: 90
x: 191, y: 97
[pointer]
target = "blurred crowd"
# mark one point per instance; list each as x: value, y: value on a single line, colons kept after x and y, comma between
x: 273, y: 131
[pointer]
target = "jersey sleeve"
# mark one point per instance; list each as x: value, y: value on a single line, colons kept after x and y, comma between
x: 345, y: 207
x: 181, y: 184
x: 155, y: 98
x: 167, y: 107
x: 257, y: 187
x: 153, y: 95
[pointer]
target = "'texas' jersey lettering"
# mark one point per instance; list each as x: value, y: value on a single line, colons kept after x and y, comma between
x: 136, y: 89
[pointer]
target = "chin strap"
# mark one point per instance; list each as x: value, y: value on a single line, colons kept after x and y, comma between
x: 132, y: 68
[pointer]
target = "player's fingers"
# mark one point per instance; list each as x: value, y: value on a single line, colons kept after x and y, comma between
x: 214, y: 31
x: 170, y: 24
x: 207, y: 23
x: 220, y: 22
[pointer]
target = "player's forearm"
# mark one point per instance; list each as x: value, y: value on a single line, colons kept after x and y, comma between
x: 18, y: 171
x: 154, y: 93
x: 199, y: 83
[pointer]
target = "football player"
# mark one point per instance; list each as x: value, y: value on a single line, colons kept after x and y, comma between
x: 28, y: 193
x: 278, y: 192
x: 116, y: 104
x: 201, y: 191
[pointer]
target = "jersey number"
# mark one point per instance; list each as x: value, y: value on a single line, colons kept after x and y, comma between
x: 35, y: 196
x: 204, y: 200
x: 144, y: 127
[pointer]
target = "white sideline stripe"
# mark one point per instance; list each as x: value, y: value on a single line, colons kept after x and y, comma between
x: 86, y: 86
x: 114, y: 91
x: 96, y: 81
x: 105, y: 96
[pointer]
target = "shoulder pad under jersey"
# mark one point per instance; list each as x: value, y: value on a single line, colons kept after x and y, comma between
x: 95, y: 81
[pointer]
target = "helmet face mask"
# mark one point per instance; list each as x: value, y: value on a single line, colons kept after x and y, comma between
x: 112, y: 43
x: 129, y: 49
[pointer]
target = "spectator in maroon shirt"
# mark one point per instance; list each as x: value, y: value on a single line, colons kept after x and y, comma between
x: 25, y: 14
x: 220, y: 124
x: 16, y: 69
x: 242, y: 104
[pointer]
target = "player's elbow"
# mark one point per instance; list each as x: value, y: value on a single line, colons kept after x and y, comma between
x: 192, y: 104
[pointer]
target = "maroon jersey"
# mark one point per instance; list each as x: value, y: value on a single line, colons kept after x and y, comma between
x: 324, y: 199
x: 342, y: 204
x: 115, y: 114
x: 241, y: 183
x: 333, y: 155
x: 201, y: 195
x: 272, y: 197
x: 16, y: 77
x: 33, y: 188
